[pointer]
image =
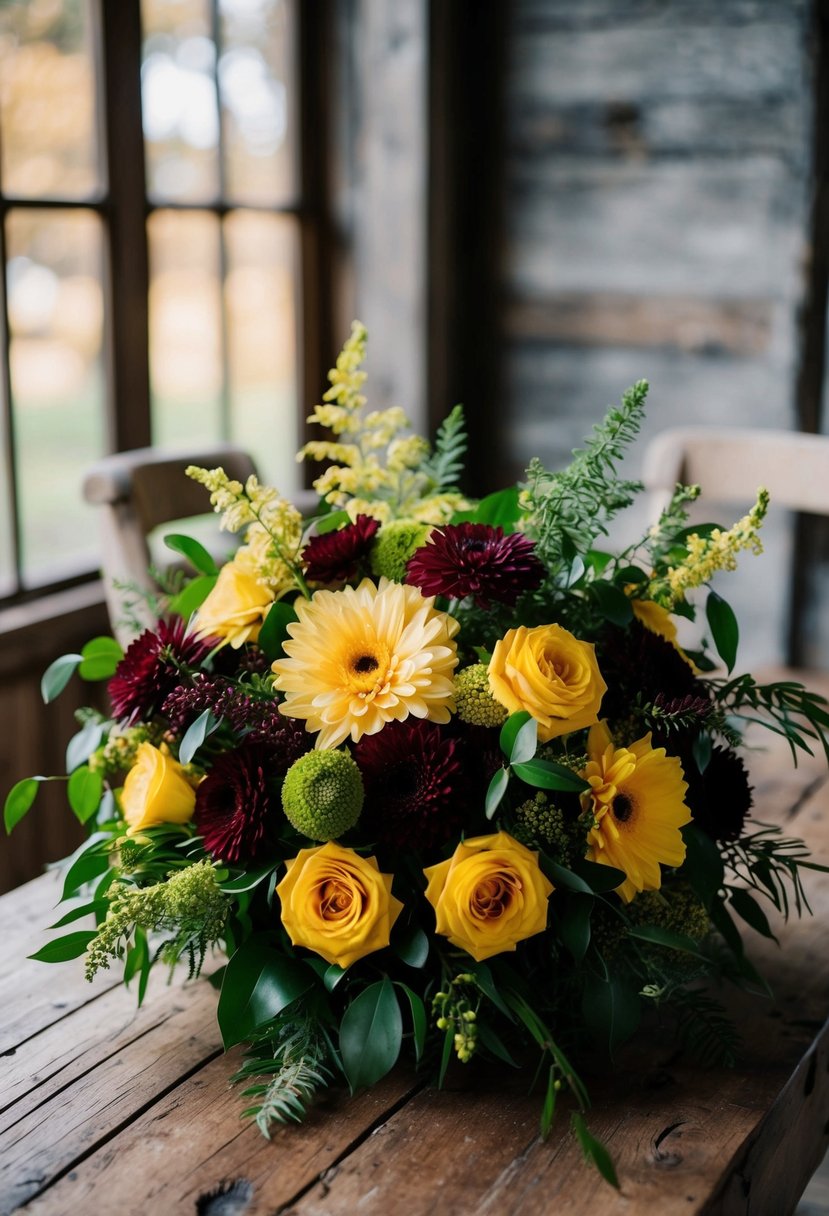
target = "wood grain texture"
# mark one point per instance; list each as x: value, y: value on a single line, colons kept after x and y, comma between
x: 113, y: 1109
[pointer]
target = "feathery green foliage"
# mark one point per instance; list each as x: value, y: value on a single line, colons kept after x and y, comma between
x: 784, y: 707
x: 770, y: 863
x: 294, y: 1059
x: 566, y: 510
x: 704, y: 1028
x: 445, y: 465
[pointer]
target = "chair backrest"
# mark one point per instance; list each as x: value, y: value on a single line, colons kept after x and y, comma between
x: 136, y: 492
x: 730, y: 463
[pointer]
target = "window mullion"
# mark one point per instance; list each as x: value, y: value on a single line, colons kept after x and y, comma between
x: 129, y: 374
x: 7, y: 417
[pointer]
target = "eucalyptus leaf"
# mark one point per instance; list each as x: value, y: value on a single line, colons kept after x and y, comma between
x: 196, y: 734
x: 526, y: 742
x: 371, y: 1033
x: 100, y: 657
x: 19, y: 800
x: 57, y: 675
x: 81, y: 746
x: 510, y: 729
x: 496, y: 790
x: 193, y: 550
x: 547, y: 775
x: 411, y: 945
x: 84, y: 791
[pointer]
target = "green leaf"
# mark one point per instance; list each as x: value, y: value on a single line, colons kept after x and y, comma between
x: 193, y: 595
x: 19, y: 800
x: 510, y: 729
x: 57, y: 675
x: 445, y: 1055
x: 83, y: 869
x: 574, y: 925
x: 703, y: 865
x: 274, y: 630
x: 626, y: 576
x: 599, y: 877
x: 81, y: 746
x: 526, y: 742
x: 84, y: 791
x: 547, y: 775
x: 486, y: 983
x: 248, y: 879
x: 73, y: 945
x: 548, y: 1110
x: 100, y: 658
x: 196, y: 734
x: 195, y: 552
x: 419, y: 1022
x: 611, y: 1009
x: 594, y: 1151
x: 562, y: 877
x: 499, y: 509
x: 495, y: 1044
x: 658, y: 936
x: 495, y: 792
x: 332, y: 976
x: 612, y: 603
x: 332, y: 522
x: 371, y: 1033
x: 411, y: 945
x: 701, y: 751
x: 724, y: 628
x: 96, y: 907
x: 747, y: 907
x: 258, y: 984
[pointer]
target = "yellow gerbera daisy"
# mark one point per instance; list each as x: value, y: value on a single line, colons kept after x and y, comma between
x: 637, y: 798
x: 364, y: 656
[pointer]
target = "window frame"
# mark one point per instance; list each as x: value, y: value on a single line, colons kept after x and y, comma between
x: 124, y: 208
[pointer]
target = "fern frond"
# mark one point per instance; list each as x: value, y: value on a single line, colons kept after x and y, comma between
x: 445, y: 465
x: 566, y: 510
x: 704, y: 1028
x: 294, y: 1059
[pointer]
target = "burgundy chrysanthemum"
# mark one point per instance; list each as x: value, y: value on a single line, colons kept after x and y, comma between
x: 236, y: 812
x: 476, y: 560
x: 337, y: 557
x: 151, y: 668
x: 416, y: 792
x: 719, y: 798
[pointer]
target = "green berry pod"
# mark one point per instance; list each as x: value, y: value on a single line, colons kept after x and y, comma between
x: 322, y: 794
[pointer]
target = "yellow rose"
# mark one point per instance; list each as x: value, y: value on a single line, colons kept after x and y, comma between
x: 549, y: 673
x: 337, y: 903
x: 489, y: 895
x: 156, y: 790
x: 235, y: 608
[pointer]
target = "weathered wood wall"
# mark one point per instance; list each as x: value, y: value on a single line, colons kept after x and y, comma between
x: 657, y: 160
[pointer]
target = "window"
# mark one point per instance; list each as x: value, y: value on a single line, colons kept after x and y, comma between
x: 159, y: 237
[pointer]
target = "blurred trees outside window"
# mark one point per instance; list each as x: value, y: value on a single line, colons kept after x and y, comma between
x: 217, y: 115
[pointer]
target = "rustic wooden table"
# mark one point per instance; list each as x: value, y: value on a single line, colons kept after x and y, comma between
x: 108, y: 1109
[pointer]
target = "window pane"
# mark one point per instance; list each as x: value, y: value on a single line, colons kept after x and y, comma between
x: 260, y: 298
x: 178, y: 93
x: 47, y: 100
x: 257, y: 81
x: 54, y: 283
x: 185, y: 327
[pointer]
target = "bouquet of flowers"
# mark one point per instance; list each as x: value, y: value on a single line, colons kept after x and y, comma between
x: 434, y: 775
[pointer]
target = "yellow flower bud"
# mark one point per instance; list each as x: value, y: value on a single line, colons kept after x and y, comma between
x: 156, y: 790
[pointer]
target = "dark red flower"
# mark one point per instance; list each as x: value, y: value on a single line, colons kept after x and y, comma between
x: 236, y: 810
x: 152, y: 667
x: 416, y: 791
x: 719, y: 798
x: 337, y: 557
x: 476, y: 560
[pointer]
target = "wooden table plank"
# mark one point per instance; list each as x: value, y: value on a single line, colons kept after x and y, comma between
x: 131, y: 1112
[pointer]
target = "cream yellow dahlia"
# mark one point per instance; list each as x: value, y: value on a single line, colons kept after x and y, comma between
x: 637, y: 798
x: 364, y: 656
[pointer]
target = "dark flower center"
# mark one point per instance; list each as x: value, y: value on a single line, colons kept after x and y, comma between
x: 365, y: 664
x: 622, y: 808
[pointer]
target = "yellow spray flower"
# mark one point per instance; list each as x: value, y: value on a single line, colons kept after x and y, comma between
x: 637, y: 800
x: 364, y: 656
x: 489, y: 895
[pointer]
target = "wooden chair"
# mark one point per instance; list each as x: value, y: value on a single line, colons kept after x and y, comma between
x: 730, y: 463
x: 138, y: 491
